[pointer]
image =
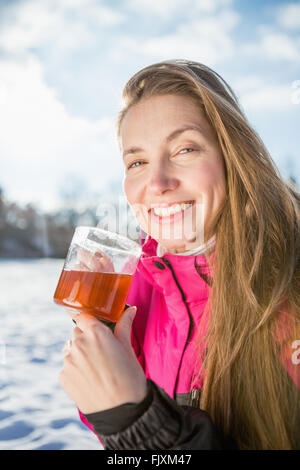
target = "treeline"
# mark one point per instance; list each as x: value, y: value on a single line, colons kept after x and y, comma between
x: 26, y: 232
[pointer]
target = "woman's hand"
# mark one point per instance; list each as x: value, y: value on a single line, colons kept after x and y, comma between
x: 100, y: 369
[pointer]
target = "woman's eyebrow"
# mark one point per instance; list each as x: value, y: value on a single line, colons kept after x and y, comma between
x: 189, y: 127
x: 169, y: 138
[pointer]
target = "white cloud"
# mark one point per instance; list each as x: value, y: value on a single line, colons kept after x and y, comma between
x: 207, y: 40
x: 281, y: 40
x: 42, y: 142
x: 288, y: 16
x: 209, y: 6
x: 267, y: 98
x: 246, y: 83
x: 66, y: 23
x: 281, y: 47
x: 156, y: 7
x: 166, y: 8
x: 255, y: 93
x: 274, y: 46
x: 278, y: 42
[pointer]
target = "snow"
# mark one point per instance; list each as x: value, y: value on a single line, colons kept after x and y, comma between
x: 35, y: 413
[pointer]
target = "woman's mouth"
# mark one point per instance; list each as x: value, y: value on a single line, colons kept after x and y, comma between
x: 171, y: 213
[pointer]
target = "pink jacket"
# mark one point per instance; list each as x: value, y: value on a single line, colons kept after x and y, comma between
x: 170, y: 294
x: 170, y: 301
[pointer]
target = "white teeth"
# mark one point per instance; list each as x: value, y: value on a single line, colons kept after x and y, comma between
x: 167, y: 211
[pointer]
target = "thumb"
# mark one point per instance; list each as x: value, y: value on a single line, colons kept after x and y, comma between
x: 123, y: 327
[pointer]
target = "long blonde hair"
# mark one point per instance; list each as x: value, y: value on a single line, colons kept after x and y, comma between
x: 254, y: 302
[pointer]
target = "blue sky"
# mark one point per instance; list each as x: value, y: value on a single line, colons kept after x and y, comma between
x: 63, y: 64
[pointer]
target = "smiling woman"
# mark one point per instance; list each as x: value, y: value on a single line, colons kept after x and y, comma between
x: 217, y: 284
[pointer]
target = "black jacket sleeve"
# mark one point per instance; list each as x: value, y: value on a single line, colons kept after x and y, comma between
x: 158, y: 422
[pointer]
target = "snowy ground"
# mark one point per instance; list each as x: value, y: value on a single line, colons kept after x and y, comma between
x: 35, y: 413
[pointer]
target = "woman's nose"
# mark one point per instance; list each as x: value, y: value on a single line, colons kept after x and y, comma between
x: 160, y: 181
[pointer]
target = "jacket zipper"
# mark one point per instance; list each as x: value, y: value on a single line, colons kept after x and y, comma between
x: 195, y: 397
x: 190, y: 317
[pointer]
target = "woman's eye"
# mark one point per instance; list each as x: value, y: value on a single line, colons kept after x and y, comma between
x: 133, y: 165
x: 136, y: 164
x: 186, y: 150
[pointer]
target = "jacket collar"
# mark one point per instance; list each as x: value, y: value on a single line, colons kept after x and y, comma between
x: 192, y: 273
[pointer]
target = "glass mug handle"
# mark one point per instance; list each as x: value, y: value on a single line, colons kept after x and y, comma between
x: 111, y: 324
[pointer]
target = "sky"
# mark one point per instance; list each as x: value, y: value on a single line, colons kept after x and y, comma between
x: 64, y: 63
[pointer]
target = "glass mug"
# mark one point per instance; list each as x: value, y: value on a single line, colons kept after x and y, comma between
x: 97, y: 273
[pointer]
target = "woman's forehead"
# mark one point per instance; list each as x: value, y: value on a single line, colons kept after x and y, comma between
x: 164, y: 114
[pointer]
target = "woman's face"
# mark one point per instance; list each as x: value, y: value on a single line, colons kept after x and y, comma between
x: 171, y: 158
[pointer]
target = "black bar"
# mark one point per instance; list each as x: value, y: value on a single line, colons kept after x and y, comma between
x: 111, y: 324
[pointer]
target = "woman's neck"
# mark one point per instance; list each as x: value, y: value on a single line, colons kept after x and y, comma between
x: 205, y: 248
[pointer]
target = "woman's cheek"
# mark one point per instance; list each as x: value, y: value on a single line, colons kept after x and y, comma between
x: 139, y: 210
x: 128, y: 190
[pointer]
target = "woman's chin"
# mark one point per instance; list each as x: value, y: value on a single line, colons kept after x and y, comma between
x: 171, y: 245
x: 174, y: 245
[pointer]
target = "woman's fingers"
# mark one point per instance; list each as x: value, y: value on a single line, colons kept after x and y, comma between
x: 89, y: 324
x: 97, y: 262
x: 67, y: 347
x: 103, y: 262
x: 76, y: 333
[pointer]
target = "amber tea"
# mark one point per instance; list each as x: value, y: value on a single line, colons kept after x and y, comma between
x: 101, y: 294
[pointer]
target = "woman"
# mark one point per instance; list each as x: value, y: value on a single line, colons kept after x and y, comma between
x: 211, y: 361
